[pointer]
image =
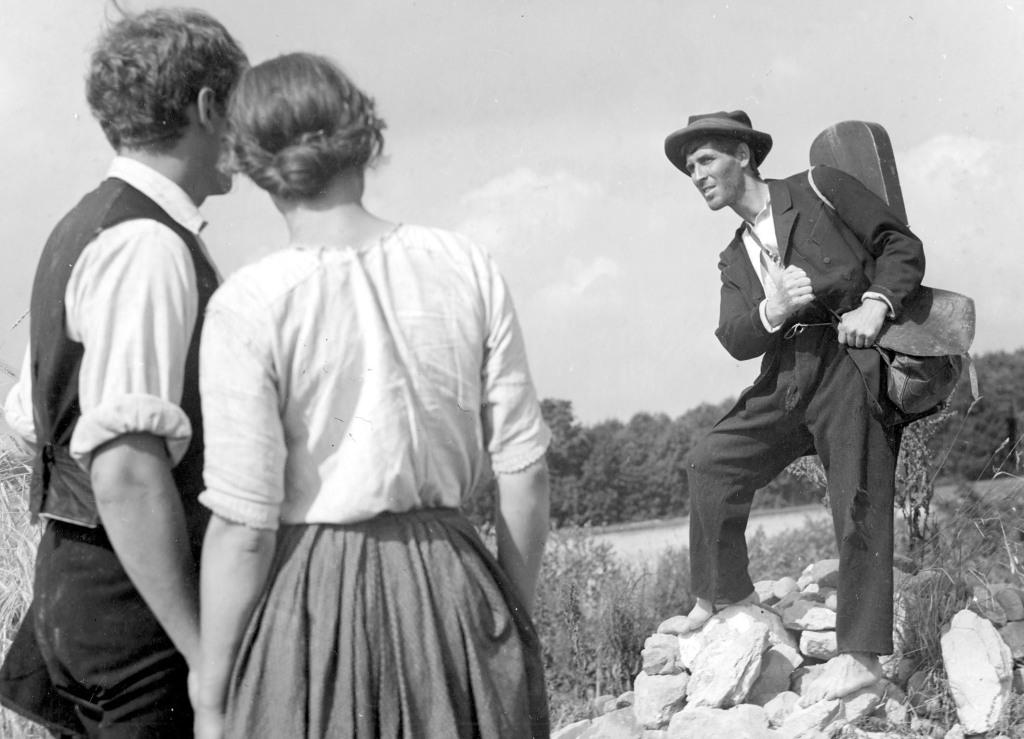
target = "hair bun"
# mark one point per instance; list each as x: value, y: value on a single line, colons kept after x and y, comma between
x: 296, y: 123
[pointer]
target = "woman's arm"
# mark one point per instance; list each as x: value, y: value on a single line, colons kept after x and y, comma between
x: 235, y: 564
x: 521, y: 523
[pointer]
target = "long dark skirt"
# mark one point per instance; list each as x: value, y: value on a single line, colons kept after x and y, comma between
x: 401, y: 626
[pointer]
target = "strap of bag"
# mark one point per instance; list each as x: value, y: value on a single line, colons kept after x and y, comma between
x: 819, y: 193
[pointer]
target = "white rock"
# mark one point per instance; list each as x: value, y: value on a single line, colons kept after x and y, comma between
x: 811, y: 590
x: 987, y: 606
x: 690, y: 645
x: 825, y: 573
x: 660, y: 655
x: 1013, y: 635
x: 779, y: 707
x: 742, y: 618
x: 618, y: 724
x: 979, y: 668
x: 657, y: 697
x: 894, y: 706
x: 805, y: 577
x: 1012, y: 602
x: 795, y: 611
x: 571, y: 731
x: 804, y: 723
x: 765, y: 590
x: 856, y: 706
x: 819, y: 644
x: 742, y: 722
x: 725, y: 670
x: 817, y: 618
x: 777, y: 665
x: 783, y: 587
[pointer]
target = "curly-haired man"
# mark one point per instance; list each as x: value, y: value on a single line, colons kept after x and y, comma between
x: 108, y: 396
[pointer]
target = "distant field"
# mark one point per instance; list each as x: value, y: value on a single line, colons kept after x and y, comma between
x: 642, y: 542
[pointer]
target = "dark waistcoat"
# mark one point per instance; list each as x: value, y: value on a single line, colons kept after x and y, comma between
x: 60, y: 488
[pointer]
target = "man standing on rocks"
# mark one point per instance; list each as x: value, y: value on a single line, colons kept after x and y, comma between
x: 809, y: 296
x: 109, y: 395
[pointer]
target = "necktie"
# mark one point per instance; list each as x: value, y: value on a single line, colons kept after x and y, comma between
x: 771, y: 263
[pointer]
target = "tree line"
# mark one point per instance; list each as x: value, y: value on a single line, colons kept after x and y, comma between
x: 616, y: 472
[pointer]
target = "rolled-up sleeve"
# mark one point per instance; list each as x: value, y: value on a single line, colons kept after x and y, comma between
x: 132, y: 302
x: 18, y: 405
x: 517, y: 435
x: 245, y: 449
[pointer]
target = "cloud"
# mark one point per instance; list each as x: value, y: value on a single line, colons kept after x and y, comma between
x: 962, y: 194
x: 583, y: 286
x: 521, y: 210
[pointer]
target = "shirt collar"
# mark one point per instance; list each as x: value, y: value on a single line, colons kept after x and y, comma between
x: 764, y: 214
x: 160, y: 190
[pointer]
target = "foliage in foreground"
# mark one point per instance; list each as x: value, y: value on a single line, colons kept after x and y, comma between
x: 18, y: 539
x: 595, y: 610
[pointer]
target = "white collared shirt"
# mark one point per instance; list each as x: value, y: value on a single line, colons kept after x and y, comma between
x: 762, y: 232
x: 339, y: 383
x: 131, y: 301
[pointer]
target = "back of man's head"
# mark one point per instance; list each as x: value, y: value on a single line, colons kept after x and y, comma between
x: 147, y: 70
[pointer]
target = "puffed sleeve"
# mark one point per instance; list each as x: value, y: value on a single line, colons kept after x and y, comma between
x: 245, y: 449
x: 18, y: 405
x: 132, y: 303
x: 517, y: 435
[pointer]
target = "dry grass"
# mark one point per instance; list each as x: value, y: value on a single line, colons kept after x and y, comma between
x: 18, y: 540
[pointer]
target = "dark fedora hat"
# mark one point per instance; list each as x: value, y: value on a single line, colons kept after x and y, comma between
x: 734, y: 125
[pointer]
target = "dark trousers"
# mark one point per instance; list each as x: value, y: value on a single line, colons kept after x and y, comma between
x: 816, y: 400
x: 90, y: 657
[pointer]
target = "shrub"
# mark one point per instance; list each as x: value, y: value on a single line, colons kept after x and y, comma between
x: 18, y: 540
x: 789, y: 552
x: 593, y: 614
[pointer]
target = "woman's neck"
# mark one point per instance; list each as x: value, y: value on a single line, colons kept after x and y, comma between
x: 337, y: 217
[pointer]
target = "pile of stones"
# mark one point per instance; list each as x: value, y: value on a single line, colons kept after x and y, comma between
x: 743, y: 674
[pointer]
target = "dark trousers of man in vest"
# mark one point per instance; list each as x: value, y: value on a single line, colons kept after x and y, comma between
x: 88, y: 626
x: 816, y: 400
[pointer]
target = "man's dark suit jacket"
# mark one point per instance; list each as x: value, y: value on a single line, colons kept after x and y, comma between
x: 873, y: 252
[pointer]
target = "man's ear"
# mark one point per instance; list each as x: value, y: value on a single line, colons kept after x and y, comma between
x: 743, y: 153
x: 206, y: 107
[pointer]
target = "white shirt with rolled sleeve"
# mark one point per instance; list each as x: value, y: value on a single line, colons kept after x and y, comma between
x: 339, y: 383
x: 132, y: 303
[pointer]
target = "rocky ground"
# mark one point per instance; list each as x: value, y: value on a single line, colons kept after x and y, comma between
x: 750, y: 671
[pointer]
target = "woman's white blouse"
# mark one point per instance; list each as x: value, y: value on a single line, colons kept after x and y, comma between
x: 340, y: 383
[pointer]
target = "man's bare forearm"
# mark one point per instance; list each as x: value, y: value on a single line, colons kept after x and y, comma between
x: 140, y: 509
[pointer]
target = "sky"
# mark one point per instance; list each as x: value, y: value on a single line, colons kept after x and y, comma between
x: 536, y: 127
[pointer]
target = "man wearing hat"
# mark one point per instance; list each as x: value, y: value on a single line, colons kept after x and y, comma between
x: 809, y: 296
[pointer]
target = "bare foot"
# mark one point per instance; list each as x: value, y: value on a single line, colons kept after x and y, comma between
x: 702, y: 611
x: 842, y: 676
